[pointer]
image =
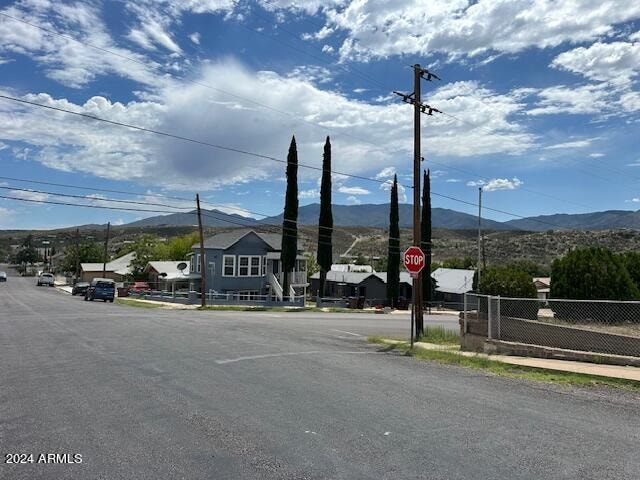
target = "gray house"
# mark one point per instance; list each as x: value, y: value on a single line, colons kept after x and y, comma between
x: 247, y: 263
x: 370, y: 285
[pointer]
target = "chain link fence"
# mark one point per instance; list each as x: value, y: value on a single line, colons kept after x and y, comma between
x: 595, y: 326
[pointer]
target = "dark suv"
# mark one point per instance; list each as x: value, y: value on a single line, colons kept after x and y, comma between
x: 101, y: 289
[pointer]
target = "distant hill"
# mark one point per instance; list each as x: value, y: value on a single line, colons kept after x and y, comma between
x: 368, y: 215
x: 377, y: 215
x: 607, y: 220
x: 211, y: 218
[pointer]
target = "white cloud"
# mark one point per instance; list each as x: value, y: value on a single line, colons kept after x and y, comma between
x: 312, y: 193
x: 460, y: 27
x: 596, y: 155
x: 402, y: 195
x: 366, y: 138
x: 6, y: 213
x: 453, y: 180
x: 386, y: 172
x: 29, y: 195
x: 583, y: 99
x: 571, y: 144
x: 195, y: 38
x: 354, y: 200
x: 496, y: 184
x: 617, y: 62
x: 353, y: 190
x: 63, y: 59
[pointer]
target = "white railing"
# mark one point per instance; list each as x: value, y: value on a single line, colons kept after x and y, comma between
x: 277, y: 288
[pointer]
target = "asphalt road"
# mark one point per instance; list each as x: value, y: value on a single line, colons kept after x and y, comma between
x: 159, y: 394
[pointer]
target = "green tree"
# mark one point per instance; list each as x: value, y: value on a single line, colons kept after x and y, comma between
x: 507, y: 281
x: 28, y: 253
x: 532, y: 268
x: 290, y: 220
x: 87, y: 252
x: 144, y: 249
x: 428, y: 287
x: 380, y: 265
x: 466, y: 263
x: 325, y: 222
x: 592, y: 273
x: 393, y: 255
x: 312, y: 267
x: 176, y: 248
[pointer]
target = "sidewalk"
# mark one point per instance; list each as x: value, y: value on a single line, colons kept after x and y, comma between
x: 611, y: 371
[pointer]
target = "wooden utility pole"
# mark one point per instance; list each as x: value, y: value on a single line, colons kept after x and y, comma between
x: 418, y: 108
x: 417, y: 158
x: 479, y: 233
x: 77, y: 242
x: 203, y: 273
x: 106, y: 251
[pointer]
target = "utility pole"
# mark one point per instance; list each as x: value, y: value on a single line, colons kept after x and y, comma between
x: 106, y: 251
x: 418, y: 108
x: 77, y: 242
x: 417, y: 158
x: 479, y: 232
x: 203, y: 273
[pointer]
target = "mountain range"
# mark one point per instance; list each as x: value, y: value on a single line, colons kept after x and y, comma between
x: 377, y: 215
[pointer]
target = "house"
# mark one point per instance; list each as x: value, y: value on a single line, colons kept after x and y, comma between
x: 116, y: 269
x: 247, y: 263
x: 167, y: 275
x: 370, y: 285
x: 543, y: 286
x: 453, y: 283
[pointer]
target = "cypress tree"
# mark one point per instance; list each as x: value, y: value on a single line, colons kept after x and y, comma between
x: 325, y: 223
x: 290, y: 220
x: 393, y: 256
x: 425, y: 235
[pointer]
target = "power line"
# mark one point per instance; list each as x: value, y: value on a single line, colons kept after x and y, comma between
x: 170, y: 73
x: 187, y: 139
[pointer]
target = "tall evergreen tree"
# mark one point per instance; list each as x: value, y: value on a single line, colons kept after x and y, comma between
x: 425, y: 235
x: 290, y: 220
x: 325, y: 223
x: 393, y: 256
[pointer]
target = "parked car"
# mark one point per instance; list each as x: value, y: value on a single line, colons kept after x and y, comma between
x: 101, y: 289
x: 80, y: 288
x: 3, y: 276
x: 45, y: 279
x: 140, y: 287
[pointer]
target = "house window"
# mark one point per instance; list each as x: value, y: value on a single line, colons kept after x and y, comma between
x: 229, y: 269
x: 243, y: 266
x: 198, y: 263
x: 248, y: 295
x: 264, y: 266
x: 255, y: 266
x: 193, y: 263
x: 248, y: 266
x: 301, y: 266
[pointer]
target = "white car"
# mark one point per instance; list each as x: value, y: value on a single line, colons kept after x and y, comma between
x: 45, y: 279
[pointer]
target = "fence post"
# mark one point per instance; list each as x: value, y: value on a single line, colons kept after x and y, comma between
x: 489, y: 322
x: 498, y: 317
x: 464, y: 313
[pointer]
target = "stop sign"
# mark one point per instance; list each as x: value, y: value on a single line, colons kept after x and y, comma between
x: 414, y: 260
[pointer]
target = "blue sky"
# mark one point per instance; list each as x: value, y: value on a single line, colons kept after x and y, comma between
x: 542, y: 102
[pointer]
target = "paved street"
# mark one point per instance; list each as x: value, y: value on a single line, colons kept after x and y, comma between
x: 160, y: 394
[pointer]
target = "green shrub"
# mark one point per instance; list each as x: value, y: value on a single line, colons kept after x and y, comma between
x: 507, y: 281
x: 593, y: 273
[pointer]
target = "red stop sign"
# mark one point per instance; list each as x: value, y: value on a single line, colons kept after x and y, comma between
x: 414, y: 260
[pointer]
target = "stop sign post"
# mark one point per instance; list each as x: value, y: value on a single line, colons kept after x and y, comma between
x: 414, y: 261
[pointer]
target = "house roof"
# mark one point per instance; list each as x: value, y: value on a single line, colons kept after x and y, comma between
x: 542, y: 280
x: 170, y: 268
x: 453, y: 280
x: 117, y: 265
x: 356, y: 278
x: 223, y: 241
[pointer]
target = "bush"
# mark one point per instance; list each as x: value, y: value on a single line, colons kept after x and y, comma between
x: 510, y: 281
x: 593, y: 273
x: 507, y: 282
